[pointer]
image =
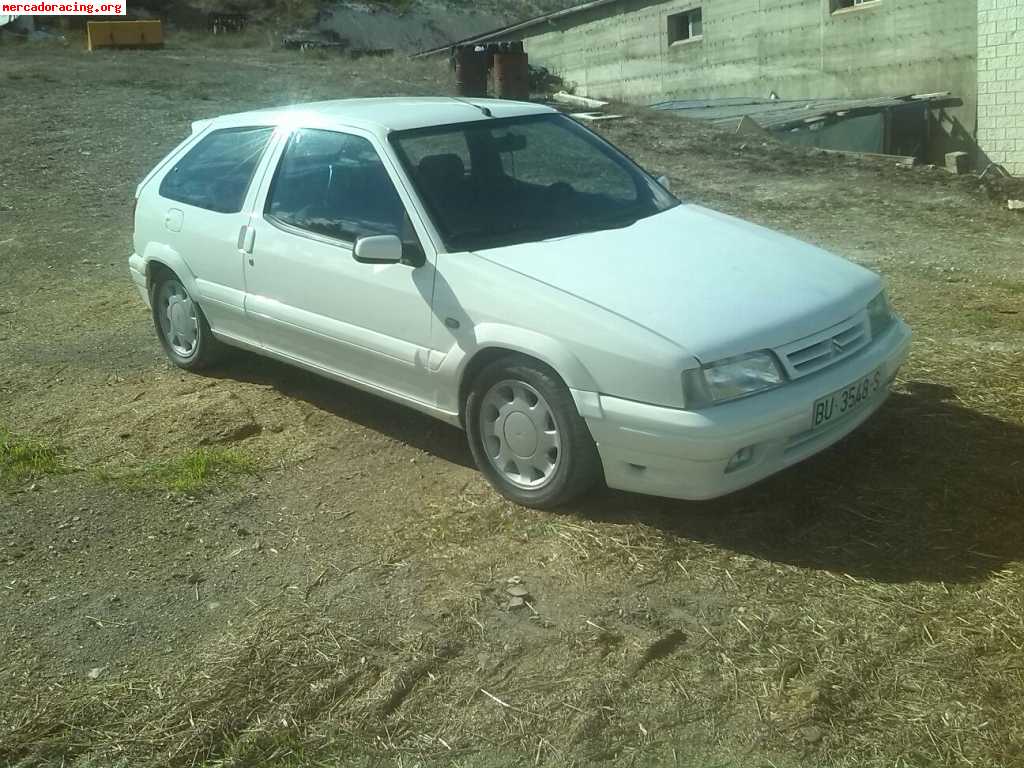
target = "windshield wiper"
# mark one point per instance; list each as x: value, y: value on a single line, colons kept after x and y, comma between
x: 622, y: 223
x: 482, y: 237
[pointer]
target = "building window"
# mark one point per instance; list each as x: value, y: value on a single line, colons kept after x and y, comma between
x: 686, y: 26
x: 839, y: 5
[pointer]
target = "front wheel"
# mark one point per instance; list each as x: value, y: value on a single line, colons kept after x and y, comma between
x: 181, y: 326
x: 526, y: 435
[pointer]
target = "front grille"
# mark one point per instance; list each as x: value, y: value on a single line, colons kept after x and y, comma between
x: 821, y: 350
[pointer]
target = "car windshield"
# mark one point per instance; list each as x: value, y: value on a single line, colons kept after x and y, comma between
x: 503, y: 181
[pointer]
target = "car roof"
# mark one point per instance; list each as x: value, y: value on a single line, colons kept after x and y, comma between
x: 383, y: 115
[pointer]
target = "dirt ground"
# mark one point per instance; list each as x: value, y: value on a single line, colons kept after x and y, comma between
x: 259, y: 567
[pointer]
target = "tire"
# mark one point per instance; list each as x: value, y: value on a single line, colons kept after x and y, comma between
x: 181, y: 325
x: 527, y: 437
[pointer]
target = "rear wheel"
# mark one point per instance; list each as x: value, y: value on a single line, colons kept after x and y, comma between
x: 181, y: 326
x: 526, y: 435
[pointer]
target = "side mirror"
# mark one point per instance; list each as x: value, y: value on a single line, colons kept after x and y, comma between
x: 379, y: 249
x: 664, y: 182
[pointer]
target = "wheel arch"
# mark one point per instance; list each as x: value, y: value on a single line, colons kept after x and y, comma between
x: 153, y: 271
x: 496, y: 341
x: 164, y: 259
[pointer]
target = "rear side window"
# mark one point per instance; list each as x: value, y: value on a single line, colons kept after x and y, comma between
x: 216, y: 172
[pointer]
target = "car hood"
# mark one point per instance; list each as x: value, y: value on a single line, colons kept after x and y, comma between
x: 713, y: 284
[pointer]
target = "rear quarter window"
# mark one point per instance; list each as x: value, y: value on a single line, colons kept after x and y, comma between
x: 215, y: 174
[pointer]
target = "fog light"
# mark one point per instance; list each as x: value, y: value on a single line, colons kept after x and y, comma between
x: 740, y: 459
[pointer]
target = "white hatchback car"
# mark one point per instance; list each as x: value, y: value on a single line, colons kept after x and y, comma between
x: 500, y: 267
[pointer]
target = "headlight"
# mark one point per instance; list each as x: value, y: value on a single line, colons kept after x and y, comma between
x: 730, y: 379
x: 880, y: 314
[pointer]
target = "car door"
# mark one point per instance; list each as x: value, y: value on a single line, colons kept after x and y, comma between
x: 306, y: 295
x: 204, y: 200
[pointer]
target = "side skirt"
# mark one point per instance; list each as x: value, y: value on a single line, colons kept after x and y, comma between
x: 448, y: 417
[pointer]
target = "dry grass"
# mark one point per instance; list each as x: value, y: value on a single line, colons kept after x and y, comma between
x: 640, y: 646
x: 855, y: 673
x: 252, y: 38
x: 292, y: 689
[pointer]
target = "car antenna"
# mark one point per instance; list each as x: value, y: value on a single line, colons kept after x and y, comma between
x: 485, y: 110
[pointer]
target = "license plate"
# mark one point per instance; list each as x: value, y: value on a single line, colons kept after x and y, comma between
x: 846, y: 400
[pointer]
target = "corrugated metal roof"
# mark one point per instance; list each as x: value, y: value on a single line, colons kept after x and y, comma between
x: 519, y: 26
x: 775, y: 114
x: 378, y: 27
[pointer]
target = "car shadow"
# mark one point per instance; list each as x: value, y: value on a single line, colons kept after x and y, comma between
x: 371, y: 411
x: 927, y: 490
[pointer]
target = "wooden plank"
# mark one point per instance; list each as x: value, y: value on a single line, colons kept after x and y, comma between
x: 907, y: 161
x: 579, y: 101
x: 123, y: 34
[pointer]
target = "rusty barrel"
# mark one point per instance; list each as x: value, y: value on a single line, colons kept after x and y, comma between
x: 512, y: 72
x: 470, y: 71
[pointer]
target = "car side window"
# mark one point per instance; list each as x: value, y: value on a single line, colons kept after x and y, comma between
x: 215, y: 174
x: 334, y: 184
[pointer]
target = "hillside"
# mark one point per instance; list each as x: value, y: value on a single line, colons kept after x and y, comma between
x: 400, y: 25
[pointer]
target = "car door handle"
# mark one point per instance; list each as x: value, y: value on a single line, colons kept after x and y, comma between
x: 246, y: 240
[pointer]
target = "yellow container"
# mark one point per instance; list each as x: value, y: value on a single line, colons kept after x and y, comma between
x: 123, y: 34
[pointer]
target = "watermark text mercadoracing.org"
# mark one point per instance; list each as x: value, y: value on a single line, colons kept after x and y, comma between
x: 63, y: 9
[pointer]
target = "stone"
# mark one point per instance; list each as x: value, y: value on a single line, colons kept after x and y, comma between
x: 958, y: 162
x: 812, y: 734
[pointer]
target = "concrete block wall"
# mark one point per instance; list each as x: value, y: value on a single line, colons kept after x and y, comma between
x: 794, y: 48
x: 1001, y: 82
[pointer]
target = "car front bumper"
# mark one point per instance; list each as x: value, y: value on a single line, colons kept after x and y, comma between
x: 686, y: 454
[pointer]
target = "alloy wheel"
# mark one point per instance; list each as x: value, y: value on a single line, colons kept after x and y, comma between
x: 178, y: 319
x: 519, y: 434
